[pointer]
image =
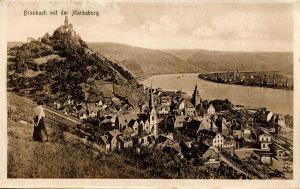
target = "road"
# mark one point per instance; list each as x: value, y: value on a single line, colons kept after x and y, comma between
x: 74, y: 120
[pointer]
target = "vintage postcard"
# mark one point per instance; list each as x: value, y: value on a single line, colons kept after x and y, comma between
x: 135, y: 93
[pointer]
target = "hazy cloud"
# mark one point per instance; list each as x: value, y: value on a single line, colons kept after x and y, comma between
x: 165, y: 25
x: 220, y: 26
x: 205, y: 31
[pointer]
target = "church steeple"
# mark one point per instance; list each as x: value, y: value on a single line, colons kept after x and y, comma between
x: 196, y: 88
x: 152, y: 114
x: 151, y: 104
x: 196, y: 99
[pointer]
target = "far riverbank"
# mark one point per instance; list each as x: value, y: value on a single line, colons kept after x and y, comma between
x: 271, y: 79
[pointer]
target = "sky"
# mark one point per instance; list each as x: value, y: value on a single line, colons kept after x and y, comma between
x: 188, y: 25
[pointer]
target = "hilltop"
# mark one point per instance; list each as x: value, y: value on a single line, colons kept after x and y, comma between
x: 141, y: 61
x: 62, y: 64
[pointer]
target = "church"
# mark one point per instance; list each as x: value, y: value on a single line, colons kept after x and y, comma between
x: 144, y: 124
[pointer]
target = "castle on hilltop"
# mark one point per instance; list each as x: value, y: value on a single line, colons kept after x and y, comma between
x: 67, y: 28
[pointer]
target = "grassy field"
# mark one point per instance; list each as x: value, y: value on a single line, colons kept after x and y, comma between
x: 58, y: 158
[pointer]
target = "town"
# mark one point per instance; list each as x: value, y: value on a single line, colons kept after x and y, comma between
x: 217, y: 138
x: 252, y: 141
x: 257, y: 79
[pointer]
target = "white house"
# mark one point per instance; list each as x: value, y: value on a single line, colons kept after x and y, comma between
x: 218, y: 140
x: 265, y: 141
x: 211, y: 110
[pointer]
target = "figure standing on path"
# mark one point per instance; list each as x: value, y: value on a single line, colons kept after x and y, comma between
x: 39, y: 132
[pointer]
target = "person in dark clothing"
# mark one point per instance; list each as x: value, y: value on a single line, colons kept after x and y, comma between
x: 39, y: 132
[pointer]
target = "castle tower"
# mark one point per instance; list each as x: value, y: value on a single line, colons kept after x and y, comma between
x: 196, y: 99
x: 66, y: 23
x: 152, y: 115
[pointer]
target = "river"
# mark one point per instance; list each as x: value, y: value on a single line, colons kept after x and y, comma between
x: 275, y: 100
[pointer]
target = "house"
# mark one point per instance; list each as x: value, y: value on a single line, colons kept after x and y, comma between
x: 113, y: 139
x: 196, y: 125
x: 211, y: 138
x: 264, y: 157
x: 214, y: 127
x: 179, y: 121
x: 185, y: 107
x: 189, y: 108
x: 229, y: 145
x: 163, y: 110
x: 165, y: 100
x: 212, y: 154
x: 218, y: 140
x: 102, y: 143
x: 134, y: 126
x: 193, y: 127
x: 164, y: 140
x: 280, y: 120
x: 265, y: 141
x: 247, y: 133
x: 123, y: 120
x: 237, y: 132
x: 125, y: 141
x: 145, y: 140
x: 143, y: 127
x: 211, y: 110
x: 222, y: 126
x: 129, y: 133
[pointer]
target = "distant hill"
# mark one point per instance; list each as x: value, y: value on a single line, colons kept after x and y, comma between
x: 141, y: 61
x: 256, y: 61
x: 183, y: 54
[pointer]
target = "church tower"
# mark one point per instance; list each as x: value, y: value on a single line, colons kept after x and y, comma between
x: 151, y: 104
x: 152, y: 115
x: 66, y: 23
x: 196, y: 99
